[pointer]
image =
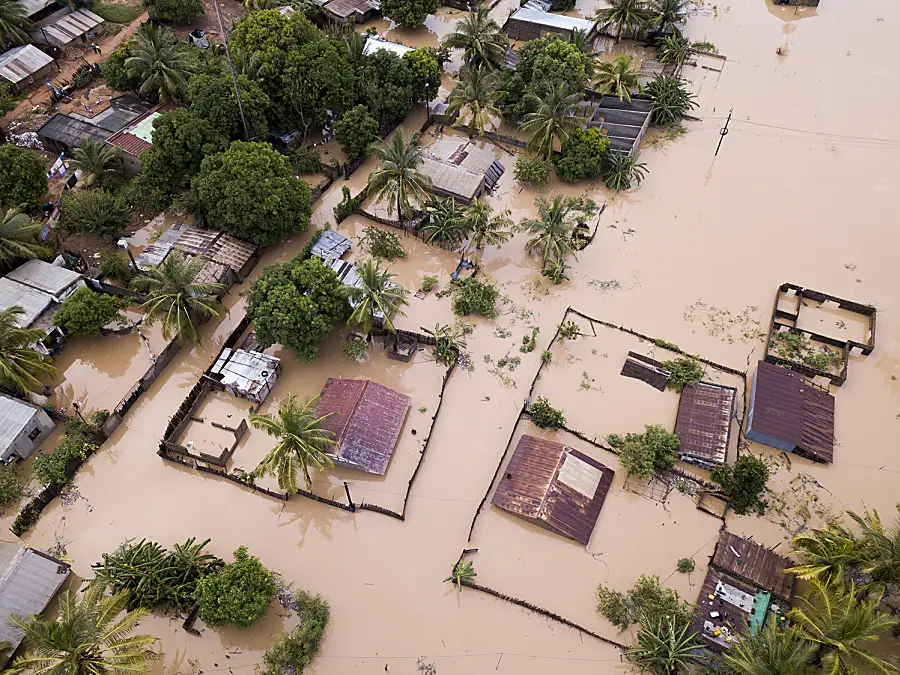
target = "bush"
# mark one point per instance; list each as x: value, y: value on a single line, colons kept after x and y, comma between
x: 176, y: 11
x: 115, y: 265
x: 428, y: 283
x: 23, y: 176
x: 546, y: 356
x: 50, y: 468
x: 532, y: 171
x: 641, y: 454
x: 291, y: 653
x: 356, y: 131
x: 82, y: 78
x: 545, y: 415
x: 115, y: 13
x: 409, y: 13
x: 355, y: 349
x: 475, y: 297
x: 646, y: 603
x: 96, y: 211
x: 144, y: 195
x: 238, y: 594
x: 113, y: 68
x: 8, y: 101
x: 306, y: 160
x: 686, y: 565
x: 11, y: 484
x: 670, y: 99
x: 682, y: 372
x: 348, y: 204
x: 744, y: 484
x: 569, y: 330
x: 382, y: 244
x: 529, y: 342
x: 86, y: 312
x: 582, y: 155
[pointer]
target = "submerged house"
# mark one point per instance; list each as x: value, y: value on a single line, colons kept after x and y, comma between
x: 554, y: 486
x: 330, y: 245
x: 22, y: 66
x: 530, y: 24
x: 23, y: 427
x: 135, y: 139
x: 789, y: 414
x: 703, y: 424
x: 250, y: 375
x: 467, y: 173
x: 366, y: 420
x: 39, y: 288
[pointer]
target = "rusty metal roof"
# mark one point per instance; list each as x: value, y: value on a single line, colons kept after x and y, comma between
x: 231, y: 252
x: 554, y: 486
x: 728, y: 615
x: 195, y: 241
x: 211, y: 273
x: 755, y: 564
x: 704, y: 417
x: 135, y: 145
x: 339, y: 399
x: 646, y: 370
x: 788, y: 408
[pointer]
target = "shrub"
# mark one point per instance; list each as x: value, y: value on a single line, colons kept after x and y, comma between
x: 744, y: 484
x: 382, y: 244
x: 646, y: 603
x: 176, y: 11
x: 115, y: 265
x: 11, y: 484
x: 144, y: 195
x: 545, y: 415
x: 96, y: 211
x: 8, y: 101
x: 532, y: 171
x: 428, y: 283
x: 582, y: 155
x: 306, y: 160
x: 475, y: 297
x: 50, y: 468
x: 82, y: 78
x: 569, y: 330
x: 670, y: 99
x: 355, y: 349
x: 682, y: 372
x: 238, y: 594
x: 641, y: 454
x: 23, y: 176
x: 292, y: 652
x: 546, y: 356
x: 86, y: 312
x: 529, y: 342
x: 348, y: 204
x: 114, y: 71
x: 686, y: 565
x: 356, y: 131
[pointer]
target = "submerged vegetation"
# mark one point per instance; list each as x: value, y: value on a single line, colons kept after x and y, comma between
x: 545, y: 415
x: 292, y: 652
x: 641, y: 454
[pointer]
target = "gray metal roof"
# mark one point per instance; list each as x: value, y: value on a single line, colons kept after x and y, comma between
x: 374, y: 44
x: 52, y: 279
x: 555, y: 20
x: 330, y: 245
x: 33, y: 301
x: 451, y: 179
x: 20, y: 62
x: 32, y: 7
x: 69, y: 27
x: 249, y: 374
x: 15, y: 415
x: 28, y: 582
x: 70, y: 132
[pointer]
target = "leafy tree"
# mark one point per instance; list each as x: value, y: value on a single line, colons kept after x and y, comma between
x: 181, y: 141
x: 409, y: 13
x: 545, y: 415
x: 382, y: 244
x: 292, y: 652
x: 772, y: 650
x: 670, y: 100
x: 19, y: 238
x: 304, y: 442
x: 646, y: 603
x: 295, y: 304
x: 618, y: 78
x: 86, y: 312
x: 356, y: 131
x: 474, y: 102
x: 376, y: 294
x: 250, y: 191
x: 398, y: 179
x: 158, y: 62
x: 238, y: 594
x: 665, y: 648
x: 682, y: 372
x: 486, y: 228
x: 8, y: 102
x: 673, y: 48
x: 213, y: 99
x: 101, y: 163
x: 446, y: 225
x: 175, y: 297
x: 665, y: 16
x: 479, y: 37
x: 582, y: 40
x: 641, y: 454
x: 20, y: 364
x: 582, y: 156
x: 13, y: 23
x: 551, y: 232
x: 97, y: 211
x: 317, y: 77
x: 90, y: 635
x: 744, y: 484
x: 623, y: 17
x: 388, y: 88
x: 114, y: 71
x: 426, y: 72
x: 532, y: 171
x: 474, y: 296
x: 11, y: 488
x: 620, y: 170
x: 554, y: 117
x: 50, y: 467
x: 176, y: 11
x: 879, y: 546
x: 23, y: 176
x: 554, y: 60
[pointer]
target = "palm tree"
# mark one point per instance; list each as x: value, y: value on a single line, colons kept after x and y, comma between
x: 771, y: 651
x: 473, y: 102
x: 623, y: 16
x: 826, y: 554
x: 480, y: 38
x: 670, y: 99
x: 621, y: 169
x: 617, y: 78
x: 840, y: 624
x: 446, y: 225
x: 303, y: 442
x: 377, y: 294
x: 13, y: 22
x: 487, y: 228
x: 462, y: 572
x: 665, y: 16
x: 553, y: 117
x: 397, y: 180
x: 91, y: 636
x: 880, y: 546
x: 175, y: 297
x: 583, y: 41
x: 20, y: 364
x: 551, y: 231
x: 673, y: 48
x: 99, y: 161
x: 450, y: 341
x: 18, y: 237
x: 158, y: 61
x: 666, y: 648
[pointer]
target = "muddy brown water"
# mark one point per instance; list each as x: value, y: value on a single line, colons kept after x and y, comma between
x: 801, y: 191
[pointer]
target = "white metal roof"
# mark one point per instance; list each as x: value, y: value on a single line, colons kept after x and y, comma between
x: 451, y: 178
x: 54, y: 280
x: 580, y: 476
x: 15, y: 415
x: 32, y: 7
x: 69, y: 27
x: 246, y: 372
x: 330, y: 245
x: 555, y: 20
x: 33, y: 301
x: 375, y: 44
x: 20, y: 62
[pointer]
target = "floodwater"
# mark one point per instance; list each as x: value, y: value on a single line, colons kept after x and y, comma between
x: 802, y: 190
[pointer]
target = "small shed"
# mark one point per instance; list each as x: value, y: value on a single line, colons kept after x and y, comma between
x: 21, y: 66
x: 66, y: 26
x: 703, y: 423
x: 755, y: 564
x: 29, y: 580
x: 529, y: 24
x: 250, y: 375
x: 23, y: 427
x: 366, y: 419
x: 34, y: 302
x: 137, y: 138
x: 554, y: 486
x: 54, y: 280
x: 34, y: 7
x: 789, y: 414
x: 353, y: 11
x: 374, y: 44
x: 330, y: 245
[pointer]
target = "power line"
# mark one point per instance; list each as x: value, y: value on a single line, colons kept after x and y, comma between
x: 806, y: 131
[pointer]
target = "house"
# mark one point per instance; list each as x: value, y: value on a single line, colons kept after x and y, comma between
x: 22, y: 66
x: 528, y: 24
x: 555, y: 487
x: 789, y: 414
x: 23, y: 427
x: 624, y: 122
x: 464, y: 171
x: 330, y: 245
x: 137, y: 138
x: 54, y: 280
x: 703, y: 424
x: 366, y: 420
x: 29, y: 580
x: 353, y: 11
x: 65, y: 131
x: 374, y: 44
x: 36, y: 10
x: 65, y: 26
x: 250, y: 375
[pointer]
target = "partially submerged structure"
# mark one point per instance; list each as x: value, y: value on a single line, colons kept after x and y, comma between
x: 465, y: 174
x: 65, y: 131
x: 250, y: 375
x: 22, y: 66
x: 330, y: 245
x: 554, y: 486
x: 38, y: 288
x: 66, y: 26
x: 23, y: 427
x: 135, y: 139
x: 790, y: 414
x: 366, y: 419
x: 353, y: 11
x: 374, y: 44
x: 645, y: 369
x: 703, y: 424
x: 624, y: 122
x: 528, y: 24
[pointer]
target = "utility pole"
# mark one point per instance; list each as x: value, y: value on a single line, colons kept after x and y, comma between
x: 349, y: 498
x: 237, y: 91
x: 723, y: 132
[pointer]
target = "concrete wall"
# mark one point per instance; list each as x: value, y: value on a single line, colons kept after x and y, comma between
x: 22, y: 446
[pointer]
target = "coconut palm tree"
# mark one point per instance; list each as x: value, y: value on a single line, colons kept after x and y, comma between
x: 480, y: 38
x: 666, y: 648
x: 880, y: 546
x: 617, y: 78
x: 840, y: 624
x: 551, y: 231
x: 583, y: 41
x: 554, y: 116
x: 620, y: 170
x: 175, y: 297
x: 18, y: 237
x: 623, y: 17
x: 91, y: 636
x: 670, y: 99
x: 487, y: 228
x: 159, y: 62
x: 303, y: 442
x: 826, y: 555
x: 771, y: 651
x: 450, y: 342
x: 665, y: 16
x: 13, y: 22
x: 377, y: 295
x: 20, y: 364
x: 473, y: 102
x: 673, y: 48
x: 99, y: 162
x: 398, y: 179
x: 447, y: 224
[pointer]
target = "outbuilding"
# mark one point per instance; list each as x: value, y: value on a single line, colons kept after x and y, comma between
x: 22, y: 66
x: 135, y: 139
x: 353, y: 11
x: 250, y: 375
x: 374, y: 44
x: 23, y: 427
x: 66, y: 26
x: 530, y: 24
x: 703, y: 425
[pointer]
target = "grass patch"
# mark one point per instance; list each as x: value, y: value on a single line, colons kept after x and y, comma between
x: 115, y: 13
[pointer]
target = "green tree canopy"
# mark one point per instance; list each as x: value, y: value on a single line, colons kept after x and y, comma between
x: 641, y: 454
x: 426, y: 72
x: 356, y: 131
x: 582, y: 155
x: 212, y: 99
x: 176, y: 11
x: 744, y: 483
x: 86, y: 312
x: 238, y: 594
x: 181, y: 140
x: 388, y: 88
x: 114, y: 71
x: 13, y: 23
x: 159, y: 62
x: 19, y: 237
x: 409, y: 13
x: 23, y: 176
x: 479, y: 37
x: 99, y: 212
x: 317, y: 77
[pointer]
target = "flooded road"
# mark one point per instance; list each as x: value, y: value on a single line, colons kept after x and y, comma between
x: 803, y: 190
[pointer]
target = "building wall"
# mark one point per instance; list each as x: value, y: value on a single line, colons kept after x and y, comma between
x: 31, y: 79
x: 131, y: 165
x: 23, y: 446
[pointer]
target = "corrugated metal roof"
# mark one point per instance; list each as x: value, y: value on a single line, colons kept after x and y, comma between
x: 153, y: 255
x: 554, y: 486
x: 732, y: 616
x: 134, y: 139
x: 330, y: 245
x: 554, y: 20
x: 18, y: 63
x: 15, y: 415
x: 248, y: 374
x: 34, y: 302
x: 755, y: 564
x: 231, y: 252
x: 52, y: 279
x: 453, y: 180
x: 646, y: 370
x: 69, y: 27
x: 70, y: 131
x: 346, y: 8
x: 338, y: 400
x: 195, y: 241
x: 704, y: 417
x: 211, y: 273
x: 374, y: 45
x: 28, y: 583
x: 32, y: 7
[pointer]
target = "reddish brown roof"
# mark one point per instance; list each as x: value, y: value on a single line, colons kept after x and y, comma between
x: 554, y: 486
x: 339, y: 399
x: 704, y: 417
x: 730, y: 616
x: 135, y: 145
x: 754, y: 563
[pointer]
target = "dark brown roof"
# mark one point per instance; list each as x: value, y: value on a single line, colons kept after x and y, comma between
x: 703, y: 424
x: 730, y: 616
x: 554, y: 486
x: 646, y: 370
x: 754, y: 563
x: 789, y: 409
x: 134, y: 145
x: 339, y: 399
